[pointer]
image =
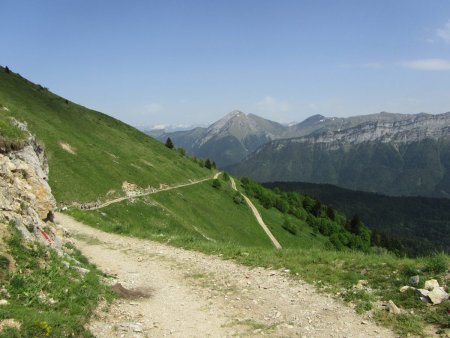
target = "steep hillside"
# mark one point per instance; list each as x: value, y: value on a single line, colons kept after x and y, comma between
x: 198, y: 214
x: 83, y: 145
x: 41, y: 274
x: 406, y: 157
x: 228, y: 140
x: 421, y: 224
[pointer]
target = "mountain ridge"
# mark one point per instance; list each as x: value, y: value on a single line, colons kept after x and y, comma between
x: 237, y: 135
x: 399, y: 155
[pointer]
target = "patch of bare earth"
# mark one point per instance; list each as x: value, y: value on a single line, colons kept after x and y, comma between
x: 195, y: 295
x: 9, y: 323
x: 67, y: 147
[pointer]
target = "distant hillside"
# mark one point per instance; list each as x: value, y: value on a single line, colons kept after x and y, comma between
x: 395, y: 155
x: 83, y: 145
x: 422, y: 224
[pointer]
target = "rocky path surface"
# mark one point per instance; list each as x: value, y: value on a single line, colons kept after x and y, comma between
x: 195, y: 295
x: 120, y: 199
x: 258, y: 217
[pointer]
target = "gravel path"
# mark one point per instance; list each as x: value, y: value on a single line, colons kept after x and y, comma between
x: 120, y: 199
x: 196, y: 295
x: 258, y: 217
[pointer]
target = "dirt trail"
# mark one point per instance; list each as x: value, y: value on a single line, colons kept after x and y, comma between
x: 258, y: 217
x: 195, y: 295
x: 120, y: 199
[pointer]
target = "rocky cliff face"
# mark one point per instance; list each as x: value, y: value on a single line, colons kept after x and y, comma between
x: 26, y: 199
x: 393, y: 154
x: 408, y: 129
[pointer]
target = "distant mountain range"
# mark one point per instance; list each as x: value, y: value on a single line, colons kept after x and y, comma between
x: 395, y: 154
x: 385, y: 153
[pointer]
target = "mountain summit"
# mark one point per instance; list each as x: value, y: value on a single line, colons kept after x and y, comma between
x: 229, y: 139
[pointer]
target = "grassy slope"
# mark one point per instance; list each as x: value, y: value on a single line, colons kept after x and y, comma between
x: 197, y: 213
x: 102, y: 145
x: 40, y: 272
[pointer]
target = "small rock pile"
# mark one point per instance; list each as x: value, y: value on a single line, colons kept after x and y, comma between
x: 432, y: 293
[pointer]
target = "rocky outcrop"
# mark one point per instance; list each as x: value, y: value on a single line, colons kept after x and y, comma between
x: 409, y: 129
x: 405, y: 155
x: 26, y: 199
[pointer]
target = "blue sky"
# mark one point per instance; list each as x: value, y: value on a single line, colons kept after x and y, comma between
x: 191, y: 62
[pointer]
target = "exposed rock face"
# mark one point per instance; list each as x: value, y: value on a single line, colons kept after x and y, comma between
x: 412, y: 128
x: 25, y: 195
x: 407, y: 155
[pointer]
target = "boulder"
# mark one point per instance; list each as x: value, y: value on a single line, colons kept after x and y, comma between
x: 423, y: 295
x: 393, y: 308
x: 414, y: 280
x: 438, y: 295
x: 431, y: 284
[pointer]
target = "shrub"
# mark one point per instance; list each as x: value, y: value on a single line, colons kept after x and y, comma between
x: 238, y: 198
x: 216, y: 183
x: 225, y: 176
x: 289, y: 227
x: 437, y: 263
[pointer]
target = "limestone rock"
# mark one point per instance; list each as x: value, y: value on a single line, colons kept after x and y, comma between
x: 422, y: 292
x: 3, y: 302
x: 406, y: 288
x: 438, y: 295
x: 25, y: 195
x: 81, y: 270
x: 393, y: 308
x: 361, y: 283
x: 431, y: 284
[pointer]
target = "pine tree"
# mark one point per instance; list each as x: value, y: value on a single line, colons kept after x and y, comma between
x: 7, y: 71
x: 208, y: 164
x: 169, y: 143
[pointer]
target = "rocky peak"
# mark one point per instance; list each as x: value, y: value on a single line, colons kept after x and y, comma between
x: 236, y: 123
x: 392, y: 128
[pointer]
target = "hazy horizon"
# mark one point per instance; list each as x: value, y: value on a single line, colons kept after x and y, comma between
x: 191, y: 63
